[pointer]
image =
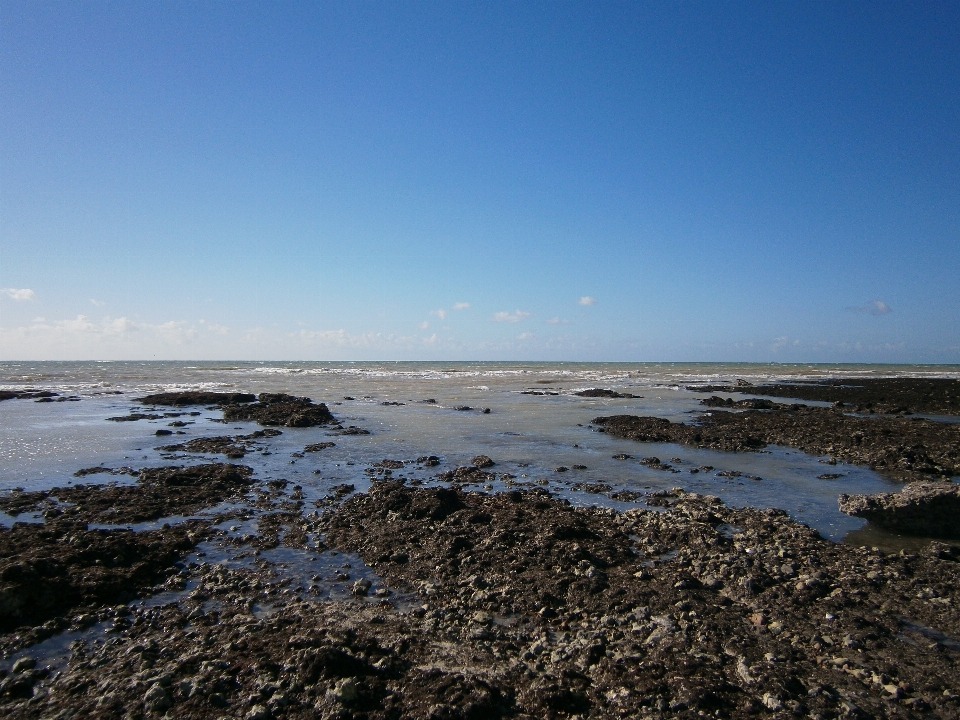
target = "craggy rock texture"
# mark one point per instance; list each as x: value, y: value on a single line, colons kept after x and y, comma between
x: 159, y: 492
x: 926, y: 509
x: 280, y: 409
x: 603, y: 393
x: 525, y: 607
x: 52, y: 570
x: 864, y: 395
x: 198, y: 397
x: 748, y: 404
x: 27, y: 394
x: 231, y: 446
x: 482, y: 461
x: 698, y: 609
x: 904, y: 449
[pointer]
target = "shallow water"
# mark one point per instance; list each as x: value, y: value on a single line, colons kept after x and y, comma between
x: 43, y: 444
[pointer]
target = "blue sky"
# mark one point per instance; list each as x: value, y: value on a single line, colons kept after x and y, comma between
x: 560, y: 181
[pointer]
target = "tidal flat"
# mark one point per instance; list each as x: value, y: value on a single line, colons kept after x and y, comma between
x: 245, y: 552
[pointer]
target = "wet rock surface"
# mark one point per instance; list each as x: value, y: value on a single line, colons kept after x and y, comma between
x: 925, y: 509
x: 603, y: 393
x: 232, y: 446
x: 902, y: 448
x: 159, y: 492
x: 864, y: 395
x: 698, y: 609
x: 280, y: 409
x: 27, y: 394
x: 49, y: 571
x: 748, y: 404
x: 526, y: 607
x: 194, y: 397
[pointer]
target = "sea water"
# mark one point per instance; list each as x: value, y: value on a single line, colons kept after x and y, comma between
x: 528, y: 436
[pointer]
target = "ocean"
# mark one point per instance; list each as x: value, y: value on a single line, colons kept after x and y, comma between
x: 535, y: 425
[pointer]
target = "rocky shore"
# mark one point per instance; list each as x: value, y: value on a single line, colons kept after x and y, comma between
x: 902, y: 448
x: 862, y: 395
x: 456, y: 604
x: 520, y: 605
x: 926, y: 509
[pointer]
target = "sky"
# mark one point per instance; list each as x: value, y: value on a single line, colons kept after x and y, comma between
x: 610, y: 181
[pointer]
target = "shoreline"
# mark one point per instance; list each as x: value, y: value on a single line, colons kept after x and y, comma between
x: 460, y: 603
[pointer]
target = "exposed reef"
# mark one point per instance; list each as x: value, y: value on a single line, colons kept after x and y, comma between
x: 863, y: 395
x: 926, y: 509
x: 904, y: 449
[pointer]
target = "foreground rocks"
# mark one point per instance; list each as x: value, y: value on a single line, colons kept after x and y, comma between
x: 904, y: 449
x: 518, y: 605
x: 863, y: 395
x: 925, y: 509
x: 61, y: 569
x: 699, y: 609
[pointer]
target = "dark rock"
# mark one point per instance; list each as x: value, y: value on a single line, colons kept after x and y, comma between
x: 927, y: 509
x: 196, y: 397
x: 602, y: 393
x: 906, y: 449
x: 748, y: 404
x: 231, y: 446
x: 159, y: 492
x: 352, y: 430
x: 864, y: 395
x: 27, y: 394
x: 482, y: 461
x: 133, y: 417
x: 469, y: 474
x: 280, y: 409
x: 47, y: 571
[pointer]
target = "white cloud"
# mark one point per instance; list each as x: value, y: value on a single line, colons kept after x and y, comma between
x: 432, y: 340
x: 877, y: 307
x: 461, y: 305
x: 424, y: 325
x: 219, y: 329
x: 175, y: 332
x: 525, y: 336
x: 19, y: 295
x: 98, y: 303
x: 82, y: 337
x: 586, y: 300
x: 342, y: 339
x: 504, y: 316
x: 441, y: 313
x: 557, y: 321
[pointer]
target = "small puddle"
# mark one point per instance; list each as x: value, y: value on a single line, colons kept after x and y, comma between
x: 872, y: 536
x: 915, y: 628
x: 53, y: 653
x: 33, y: 518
